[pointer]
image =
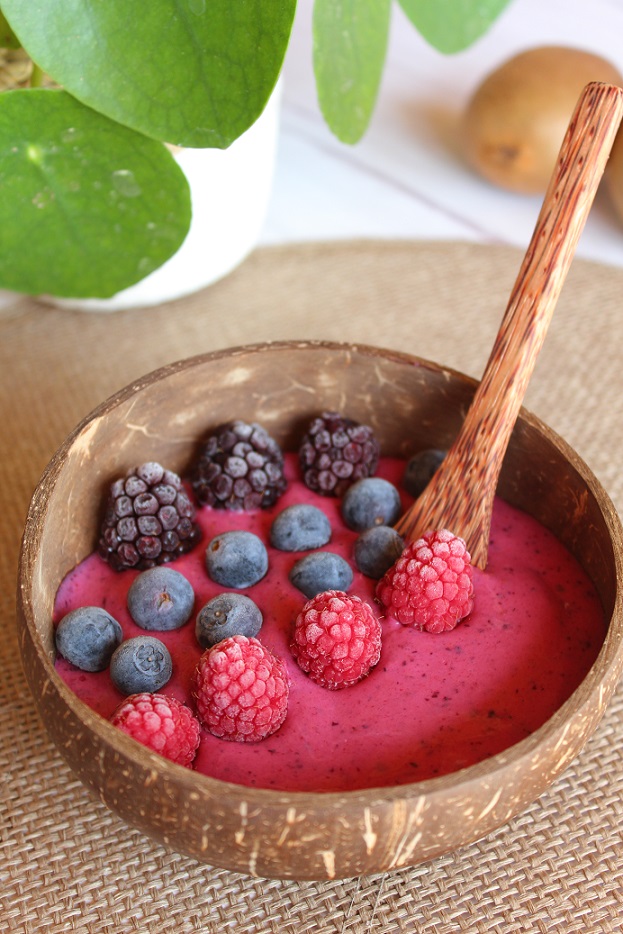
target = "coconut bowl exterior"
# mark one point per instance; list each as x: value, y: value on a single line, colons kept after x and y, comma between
x: 410, y: 403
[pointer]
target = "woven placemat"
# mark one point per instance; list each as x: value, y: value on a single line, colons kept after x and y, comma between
x: 67, y: 863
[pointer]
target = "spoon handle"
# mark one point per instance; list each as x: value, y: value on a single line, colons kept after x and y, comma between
x: 460, y: 495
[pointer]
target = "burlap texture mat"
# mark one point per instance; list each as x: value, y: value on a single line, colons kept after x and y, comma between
x: 67, y: 863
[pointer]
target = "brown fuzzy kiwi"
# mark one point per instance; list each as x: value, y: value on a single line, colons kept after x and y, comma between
x: 515, y: 122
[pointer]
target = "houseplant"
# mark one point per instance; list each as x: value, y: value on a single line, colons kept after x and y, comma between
x: 91, y: 198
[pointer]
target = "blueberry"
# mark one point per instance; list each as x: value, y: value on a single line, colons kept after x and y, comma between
x: 320, y: 571
x: 370, y: 501
x: 377, y: 549
x: 227, y: 614
x: 141, y: 664
x: 300, y: 528
x: 87, y: 637
x: 236, y: 559
x: 160, y: 599
x: 420, y: 468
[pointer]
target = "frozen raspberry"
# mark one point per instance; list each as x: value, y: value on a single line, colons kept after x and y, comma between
x: 239, y: 467
x: 430, y: 585
x: 335, y: 452
x: 240, y: 690
x: 161, y: 723
x: 149, y: 519
x: 337, y: 639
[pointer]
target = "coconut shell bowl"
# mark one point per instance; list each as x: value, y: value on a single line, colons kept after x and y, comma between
x: 410, y: 403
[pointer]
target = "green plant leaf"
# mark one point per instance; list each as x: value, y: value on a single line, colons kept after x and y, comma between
x: 350, y: 42
x: 87, y: 206
x: 452, y: 25
x: 192, y: 72
x: 7, y: 39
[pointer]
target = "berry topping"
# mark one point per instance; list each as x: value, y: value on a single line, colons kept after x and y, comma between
x: 376, y: 549
x: 430, y: 586
x: 241, y: 690
x: 236, y: 559
x: 87, y: 637
x: 321, y: 570
x: 335, y: 452
x: 239, y: 467
x: 419, y: 470
x: 148, y: 519
x: 161, y: 599
x: 161, y: 723
x: 300, y: 528
x: 227, y: 614
x: 141, y: 664
x: 369, y: 502
x: 337, y: 639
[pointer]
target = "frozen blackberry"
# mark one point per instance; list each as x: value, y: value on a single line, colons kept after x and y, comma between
x: 239, y: 467
x: 335, y: 452
x: 149, y: 519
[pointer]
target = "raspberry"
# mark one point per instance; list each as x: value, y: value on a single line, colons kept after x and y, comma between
x: 239, y: 467
x: 241, y: 690
x: 335, y: 452
x: 161, y: 723
x: 430, y: 585
x: 337, y: 639
x: 148, y: 519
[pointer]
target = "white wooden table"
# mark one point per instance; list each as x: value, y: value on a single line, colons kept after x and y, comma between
x: 407, y: 178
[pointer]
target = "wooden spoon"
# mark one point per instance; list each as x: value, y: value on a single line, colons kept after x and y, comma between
x: 460, y: 495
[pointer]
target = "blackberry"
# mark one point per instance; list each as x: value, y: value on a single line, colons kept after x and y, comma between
x: 335, y: 452
x: 148, y: 519
x: 240, y: 466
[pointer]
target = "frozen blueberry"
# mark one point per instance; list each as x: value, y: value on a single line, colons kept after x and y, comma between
x: 161, y: 599
x: 377, y: 549
x: 87, y: 637
x: 236, y: 559
x: 300, y: 528
x: 420, y: 468
x: 141, y: 664
x: 370, y: 501
x: 320, y: 571
x: 227, y: 614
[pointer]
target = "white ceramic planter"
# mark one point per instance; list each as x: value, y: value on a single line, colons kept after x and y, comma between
x: 230, y: 191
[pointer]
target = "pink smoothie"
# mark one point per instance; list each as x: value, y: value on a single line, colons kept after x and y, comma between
x: 433, y: 704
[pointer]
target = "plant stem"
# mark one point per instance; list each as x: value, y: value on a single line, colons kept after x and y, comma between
x: 36, y: 76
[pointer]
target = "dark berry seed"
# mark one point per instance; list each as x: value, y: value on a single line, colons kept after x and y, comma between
x: 127, y: 529
x: 87, y: 637
x: 150, y: 472
x: 146, y: 504
x: 134, y: 485
x: 320, y: 571
x: 149, y: 525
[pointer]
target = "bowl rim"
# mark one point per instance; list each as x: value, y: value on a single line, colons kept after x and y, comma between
x: 607, y: 667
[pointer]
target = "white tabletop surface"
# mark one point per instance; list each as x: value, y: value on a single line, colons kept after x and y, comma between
x: 406, y: 178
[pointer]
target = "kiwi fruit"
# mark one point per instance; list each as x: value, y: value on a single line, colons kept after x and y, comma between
x: 515, y: 122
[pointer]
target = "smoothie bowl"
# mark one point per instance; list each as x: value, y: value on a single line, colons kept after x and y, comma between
x: 254, y: 815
